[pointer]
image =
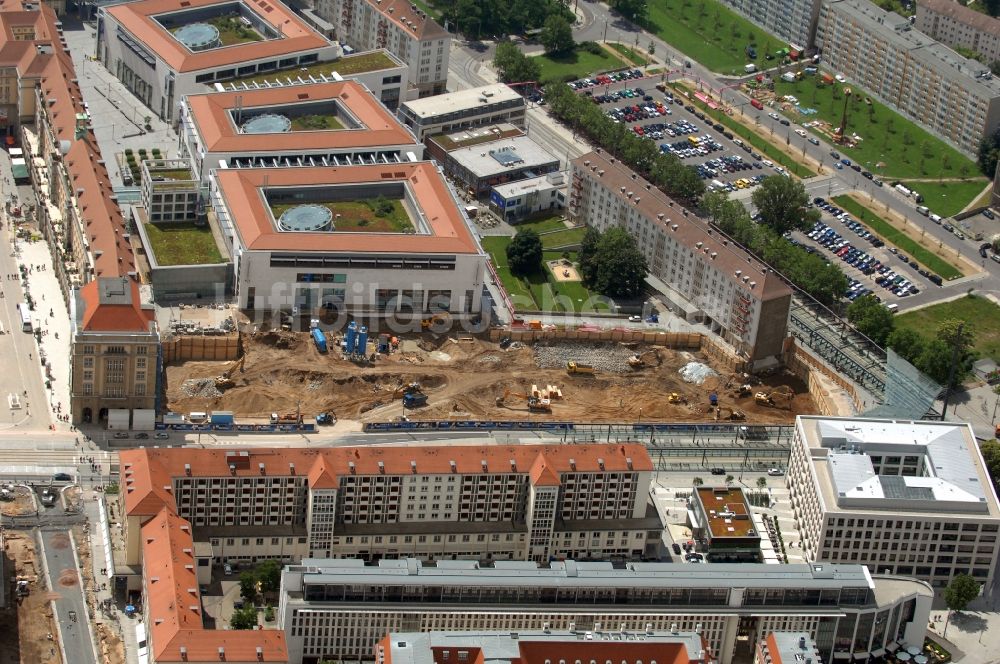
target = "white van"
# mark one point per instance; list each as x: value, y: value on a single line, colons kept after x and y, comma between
x: 197, y: 417
x: 903, y: 190
x: 922, y: 209
x: 936, y: 218
x: 893, y: 308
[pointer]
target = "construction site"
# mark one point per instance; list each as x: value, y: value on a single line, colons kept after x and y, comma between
x: 299, y: 375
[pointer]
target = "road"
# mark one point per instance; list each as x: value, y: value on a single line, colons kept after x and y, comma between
x: 66, y: 585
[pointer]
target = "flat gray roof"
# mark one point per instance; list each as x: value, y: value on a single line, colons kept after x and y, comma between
x: 523, y: 187
x: 412, y: 572
x: 460, y: 100
x: 507, y: 154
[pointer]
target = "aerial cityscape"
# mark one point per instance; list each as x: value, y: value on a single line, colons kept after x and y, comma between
x: 469, y: 332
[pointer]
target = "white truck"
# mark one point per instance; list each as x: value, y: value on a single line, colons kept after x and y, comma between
x: 750, y: 68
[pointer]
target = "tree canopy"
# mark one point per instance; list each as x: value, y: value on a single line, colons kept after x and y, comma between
x: 962, y: 590
x: 524, y: 253
x: 632, y: 9
x: 871, y: 318
x: 989, y: 153
x: 478, y: 18
x: 618, y: 267
x: 513, y: 66
x: 782, y: 204
x: 245, y: 618
x: 557, y: 35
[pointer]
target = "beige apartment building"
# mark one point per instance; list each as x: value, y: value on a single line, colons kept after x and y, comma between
x: 400, y: 27
x: 907, y: 498
x: 954, y: 24
x: 115, y: 351
x: 457, y: 111
x: 525, y: 502
x: 954, y: 98
x: 704, y: 276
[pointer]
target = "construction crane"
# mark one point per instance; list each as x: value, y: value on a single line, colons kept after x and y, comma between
x: 639, y: 361
x: 224, y: 381
x: 782, y: 393
x: 535, y: 404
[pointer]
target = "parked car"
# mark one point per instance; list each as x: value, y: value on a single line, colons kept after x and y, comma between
x: 162, y: 435
x: 775, y: 472
x: 121, y: 434
x: 677, y: 548
x: 718, y: 471
x: 142, y: 436
x: 62, y: 477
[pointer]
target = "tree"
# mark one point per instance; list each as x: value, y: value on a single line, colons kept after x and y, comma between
x: 513, y: 66
x: 989, y: 153
x: 935, y: 361
x: 269, y: 575
x: 940, y: 352
x: 962, y: 590
x: 697, y: 481
x: 729, y: 479
x: 248, y: 586
x: 995, y: 67
x: 557, y: 35
x: 992, y: 7
x: 782, y: 202
x: 620, y: 268
x: 761, y: 482
x: 524, y: 253
x: 245, y: 618
x: 991, y: 455
x: 907, y: 343
x: 588, y: 255
x: 631, y: 9
x: 871, y: 318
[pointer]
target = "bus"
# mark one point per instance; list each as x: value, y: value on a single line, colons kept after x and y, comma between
x: 22, y: 308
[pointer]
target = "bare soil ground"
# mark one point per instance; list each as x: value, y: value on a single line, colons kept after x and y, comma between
x: 462, y: 378
x: 26, y: 625
x: 23, y: 503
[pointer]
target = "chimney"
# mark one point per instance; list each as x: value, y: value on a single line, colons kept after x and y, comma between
x: 187, y: 469
x: 291, y: 468
x: 454, y: 466
x: 260, y: 466
x: 222, y: 654
x: 232, y: 469
x: 350, y: 466
x: 184, y: 653
x: 413, y: 467
x: 381, y: 468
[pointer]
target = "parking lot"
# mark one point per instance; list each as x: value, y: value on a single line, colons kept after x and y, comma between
x: 870, y: 265
x: 678, y: 128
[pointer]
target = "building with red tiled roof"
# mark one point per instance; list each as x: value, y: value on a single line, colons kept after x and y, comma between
x: 402, y: 28
x: 521, y: 502
x: 335, y: 124
x: 162, y: 50
x: 311, y: 231
x: 543, y: 647
x: 704, y: 275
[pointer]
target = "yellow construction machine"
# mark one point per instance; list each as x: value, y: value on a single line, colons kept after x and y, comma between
x: 535, y: 404
x: 639, y: 361
x: 781, y: 395
x: 224, y: 381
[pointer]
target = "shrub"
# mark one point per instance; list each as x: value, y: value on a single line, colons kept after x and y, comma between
x: 591, y: 47
x: 128, y: 152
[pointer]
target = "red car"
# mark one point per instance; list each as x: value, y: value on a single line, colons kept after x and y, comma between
x: 638, y: 130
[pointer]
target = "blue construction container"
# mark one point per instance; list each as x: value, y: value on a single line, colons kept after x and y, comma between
x: 320, y: 339
x: 350, y: 338
x: 362, y: 341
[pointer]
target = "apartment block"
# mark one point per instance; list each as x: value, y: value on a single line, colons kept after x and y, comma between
x: 954, y: 24
x: 793, y: 21
x: 334, y: 609
x: 463, y: 109
x: 705, y: 276
x: 954, y: 98
x: 525, y: 502
x: 402, y: 28
x: 115, y: 353
x: 909, y: 498
x: 538, y: 647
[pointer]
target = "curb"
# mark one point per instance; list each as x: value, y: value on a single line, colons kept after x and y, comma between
x: 83, y: 592
x: 45, y: 568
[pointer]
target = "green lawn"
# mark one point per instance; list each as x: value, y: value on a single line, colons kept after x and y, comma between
x: 892, y: 146
x: 347, y: 65
x: 231, y: 30
x: 172, y: 174
x: 924, y: 257
x: 553, y: 223
x: 563, y: 238
x: 358, y: 216
x: 539, y: 291
x: 316, y: 122
x: 709, y: 33
x: 758, y: 142
x: 948, y: 198
x: 982, y: 315
x: 638, y: 59
x: 578, y: 64
x: 182, y: 244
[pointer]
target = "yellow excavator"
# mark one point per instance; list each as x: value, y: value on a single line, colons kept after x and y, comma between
x: 732, y: 414
x: 639, y: 361
x: 535, y: 404
x: 676, y: 397
x: 225, y: 381
x: 405, y: 388
x: 782, y: 395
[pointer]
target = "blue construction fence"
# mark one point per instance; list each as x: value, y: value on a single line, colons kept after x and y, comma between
x: 238, y: 428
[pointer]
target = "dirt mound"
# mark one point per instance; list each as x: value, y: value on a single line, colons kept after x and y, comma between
x: 68, y: 578
x: 59, y: 541
x: 277, y: 339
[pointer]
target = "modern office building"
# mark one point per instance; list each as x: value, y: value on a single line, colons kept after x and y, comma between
x: 463, y: 109
x: 162, y: 50
x: 343, y: 608
x: 720, y: 516
x: 538, y: 647
x: 309, y: 238
x: 787, y: 648
x: 952, y: 97
x: 478, y: 164
x: 402, y: 28
x: 793, y: 21
x: 704, y: 276
x: 516, y: 201
x: 954, y: 24
x: 325, y: 124
x: 115, y: 352
x: 909, y: 498
x: 522, y: 502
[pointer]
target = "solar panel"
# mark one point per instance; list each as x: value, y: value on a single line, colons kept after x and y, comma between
x: 506, y: 157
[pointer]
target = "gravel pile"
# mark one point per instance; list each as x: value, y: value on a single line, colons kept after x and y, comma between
x: 612, y: 358
x: 200, y: 387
